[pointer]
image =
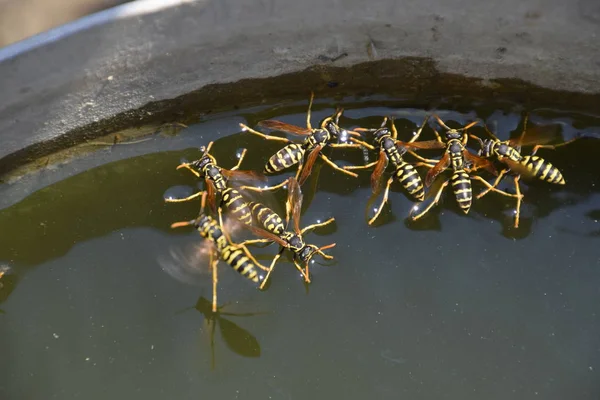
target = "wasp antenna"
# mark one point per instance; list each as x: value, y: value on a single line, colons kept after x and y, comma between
x: 468, y: 126
x: 329, y: 246
x: 182, y: 223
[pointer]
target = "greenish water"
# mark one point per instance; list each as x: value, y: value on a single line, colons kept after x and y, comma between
x: 448, y: 307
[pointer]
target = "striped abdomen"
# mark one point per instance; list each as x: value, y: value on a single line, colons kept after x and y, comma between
x: 407, y: 175
x: 239, y: 261
x: 210, y: 229
x: 543, y: 170
x: 268, y: 218
x: 461, y: 185
x: 285, y: 158
x: 237, y: 205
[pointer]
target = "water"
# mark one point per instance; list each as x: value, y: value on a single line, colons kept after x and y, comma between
x: 448, y: 307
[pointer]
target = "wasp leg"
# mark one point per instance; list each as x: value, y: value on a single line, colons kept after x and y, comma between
x: 491, y: 187
x: 364, y: 144
x: 264, y: 282
x: 268, y: 137
x: 187, y: 166
x: 423, y: 164
x: 519, y: 199
x: 312, y: 96
x: 433, y: 203
x: 550, y: 146
x: 266, y: 188
x: 220, y: 211
x: 437, y: 136
x: 192, y: 197
x: 240, y: 160
x: 416, y: 135
x: 496, y: 183
x: 314, y: 226
x: 520, y: 140
x: 383, y: 201
x: 255, y: 241
x: 251, y: 257
x: 213, y: 262
x: 304, y: 272
x: 423, y: 159
x: 346, y: 145
x: 367, y: 166
x: 334, y: 166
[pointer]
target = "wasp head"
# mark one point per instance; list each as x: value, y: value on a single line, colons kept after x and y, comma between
x: 381, y: 134
x: 203, y: 161
x: 307, y: 252
x: 454, y: 134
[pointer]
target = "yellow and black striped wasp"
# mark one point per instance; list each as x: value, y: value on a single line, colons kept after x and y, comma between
x: 216, y: 179
x: 459, y: 158
x: 508, y: 152
x: 391, y: 151
x: 217, y: 245
x: 275, y: 231
x: 315, y: 141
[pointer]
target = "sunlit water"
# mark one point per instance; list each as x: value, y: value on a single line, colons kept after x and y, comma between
x: 448, y: 307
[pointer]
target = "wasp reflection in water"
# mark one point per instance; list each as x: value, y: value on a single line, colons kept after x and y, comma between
x: 236, y: 338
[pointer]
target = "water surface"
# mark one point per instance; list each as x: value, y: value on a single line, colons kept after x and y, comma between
x: 449, y: 307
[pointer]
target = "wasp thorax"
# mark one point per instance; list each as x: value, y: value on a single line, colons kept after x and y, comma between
x: 295, y: 242
x: 202, y: 222
x: 321, y: 135
x: 503, y: 149
x: 453, y: 134
x: 456, y: 147
x: 387, y: 142
x: 380, y: 134
x: 202, y: 162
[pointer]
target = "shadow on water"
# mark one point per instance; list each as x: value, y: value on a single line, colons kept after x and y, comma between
x: 436, y: 308
x: 236, y: 338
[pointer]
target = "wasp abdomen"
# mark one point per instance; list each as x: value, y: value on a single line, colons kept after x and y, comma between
x: 408, y: 176
x: 237, y: 259
x: 543, y: 170
x: 285, y: 158
x: 461, y: 185
x: 268, y: 218
x: 235, y: 203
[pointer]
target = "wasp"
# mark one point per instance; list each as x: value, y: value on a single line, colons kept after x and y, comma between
x: 219, y: 246
x: 315, y: 141
x: 508, y: 152
x: 459, y: 158
x: 391, y: 151
x: 275, y: 231
x: 216, y: 179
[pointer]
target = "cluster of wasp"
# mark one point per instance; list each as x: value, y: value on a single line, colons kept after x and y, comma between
x: 221, y: 195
